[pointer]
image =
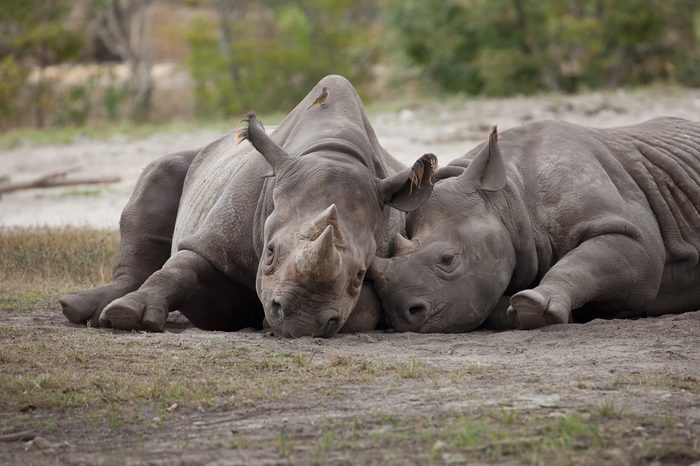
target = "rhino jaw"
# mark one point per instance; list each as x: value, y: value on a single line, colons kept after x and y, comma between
x: 320, y: 260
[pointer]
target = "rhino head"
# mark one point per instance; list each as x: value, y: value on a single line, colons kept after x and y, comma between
x: 320, y: 238
x: 458, y: 258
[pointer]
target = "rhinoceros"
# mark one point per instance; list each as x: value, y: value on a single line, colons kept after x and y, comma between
x: 296, y: 216
x: 562, y: 218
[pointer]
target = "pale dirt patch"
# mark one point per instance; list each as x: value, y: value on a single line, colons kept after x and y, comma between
x: 448, y: 129
x: 634, y: 382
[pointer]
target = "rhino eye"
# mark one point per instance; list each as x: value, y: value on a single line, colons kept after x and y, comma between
x: 360, y: 275
x: 447, y: 259
x: 269, y: 253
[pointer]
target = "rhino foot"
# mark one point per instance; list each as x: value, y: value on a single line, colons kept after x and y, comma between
x: 531, y: 309
x: 85, y: 306
x: 135, y: 311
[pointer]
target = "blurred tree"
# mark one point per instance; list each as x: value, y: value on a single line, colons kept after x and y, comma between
x: 12, y: 77
x: 125, y: 30
x: 266, y: 55
x: 34, y: 34
x: 520, y: 46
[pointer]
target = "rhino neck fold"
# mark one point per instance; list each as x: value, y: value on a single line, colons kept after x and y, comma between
x: 263, y: 209
x: 532, y: 248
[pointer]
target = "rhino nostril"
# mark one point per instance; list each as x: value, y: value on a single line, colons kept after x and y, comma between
x: 332, y: 323
x: 414, y: 311
x: 277, y: 310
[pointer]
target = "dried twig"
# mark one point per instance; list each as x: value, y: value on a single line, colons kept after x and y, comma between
x: 24, y: 436
x: 56, y: 179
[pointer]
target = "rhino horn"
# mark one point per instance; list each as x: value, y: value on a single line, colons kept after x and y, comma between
x: 319, y: 224
x: 401, y: 243
x: 320, y: 260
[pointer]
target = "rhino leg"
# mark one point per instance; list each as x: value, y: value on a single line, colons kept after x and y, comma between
x: 146, y: 228
x: 187, y: 282
x: 613, y: 271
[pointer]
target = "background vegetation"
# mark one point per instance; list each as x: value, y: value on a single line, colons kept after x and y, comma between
x: 97, y: 62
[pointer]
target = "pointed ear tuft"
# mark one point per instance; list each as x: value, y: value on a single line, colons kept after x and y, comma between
x: 410, y: 188
x: 255, y: 133
x: 244, y: 133
x: 241, y: 135
x: 427, y: 163
x: 487, y: 170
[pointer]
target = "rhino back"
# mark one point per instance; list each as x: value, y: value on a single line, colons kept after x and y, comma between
x: 663, y: 158
x: 220, y: 197
x: 571, y: 177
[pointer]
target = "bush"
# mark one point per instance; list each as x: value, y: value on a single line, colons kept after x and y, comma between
x: 277, y: 53
x: 12, y: 78
x: 519, y: 46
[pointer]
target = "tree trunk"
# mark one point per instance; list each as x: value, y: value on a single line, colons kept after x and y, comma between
x: 125, y: 30
x: 225, y: 10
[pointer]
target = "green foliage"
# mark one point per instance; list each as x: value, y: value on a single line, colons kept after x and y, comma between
x: 277, y: 52
x: 36, y: 34
x: 48, y: 42
x: 12, y: 77
x: 506, y: 47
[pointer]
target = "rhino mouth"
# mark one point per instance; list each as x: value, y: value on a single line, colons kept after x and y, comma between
x: 434, y: 313
x: 289, y: 321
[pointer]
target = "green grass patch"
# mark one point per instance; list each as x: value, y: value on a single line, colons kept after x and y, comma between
x: 68, y: 135
x: 482, y: 434
x: 84, y: 192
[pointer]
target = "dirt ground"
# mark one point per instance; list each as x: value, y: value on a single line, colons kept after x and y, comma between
x: 606, y: 392
x: 613, y: 392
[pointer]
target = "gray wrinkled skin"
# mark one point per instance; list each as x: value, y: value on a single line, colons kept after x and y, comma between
x: 297, y: 216
x: 601, y: 221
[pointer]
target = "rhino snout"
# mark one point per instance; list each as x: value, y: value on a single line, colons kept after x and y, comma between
x: 410, y: 314
x: 277, y: 309
x: 292, y: 324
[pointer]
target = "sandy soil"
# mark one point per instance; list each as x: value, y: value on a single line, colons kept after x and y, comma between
x: 448, y: 130
x: 637, y: 382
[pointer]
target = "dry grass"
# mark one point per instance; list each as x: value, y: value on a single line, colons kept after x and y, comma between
x: 39, y: 264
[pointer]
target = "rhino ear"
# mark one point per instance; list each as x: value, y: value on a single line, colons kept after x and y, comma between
x: 449, y: 171
x: 410, y: 188
x: 486, y: 171
x: 255, y: 133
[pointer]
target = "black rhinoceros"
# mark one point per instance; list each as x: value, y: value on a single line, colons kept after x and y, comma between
x: 561, y: 217
x: 298, y: 216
